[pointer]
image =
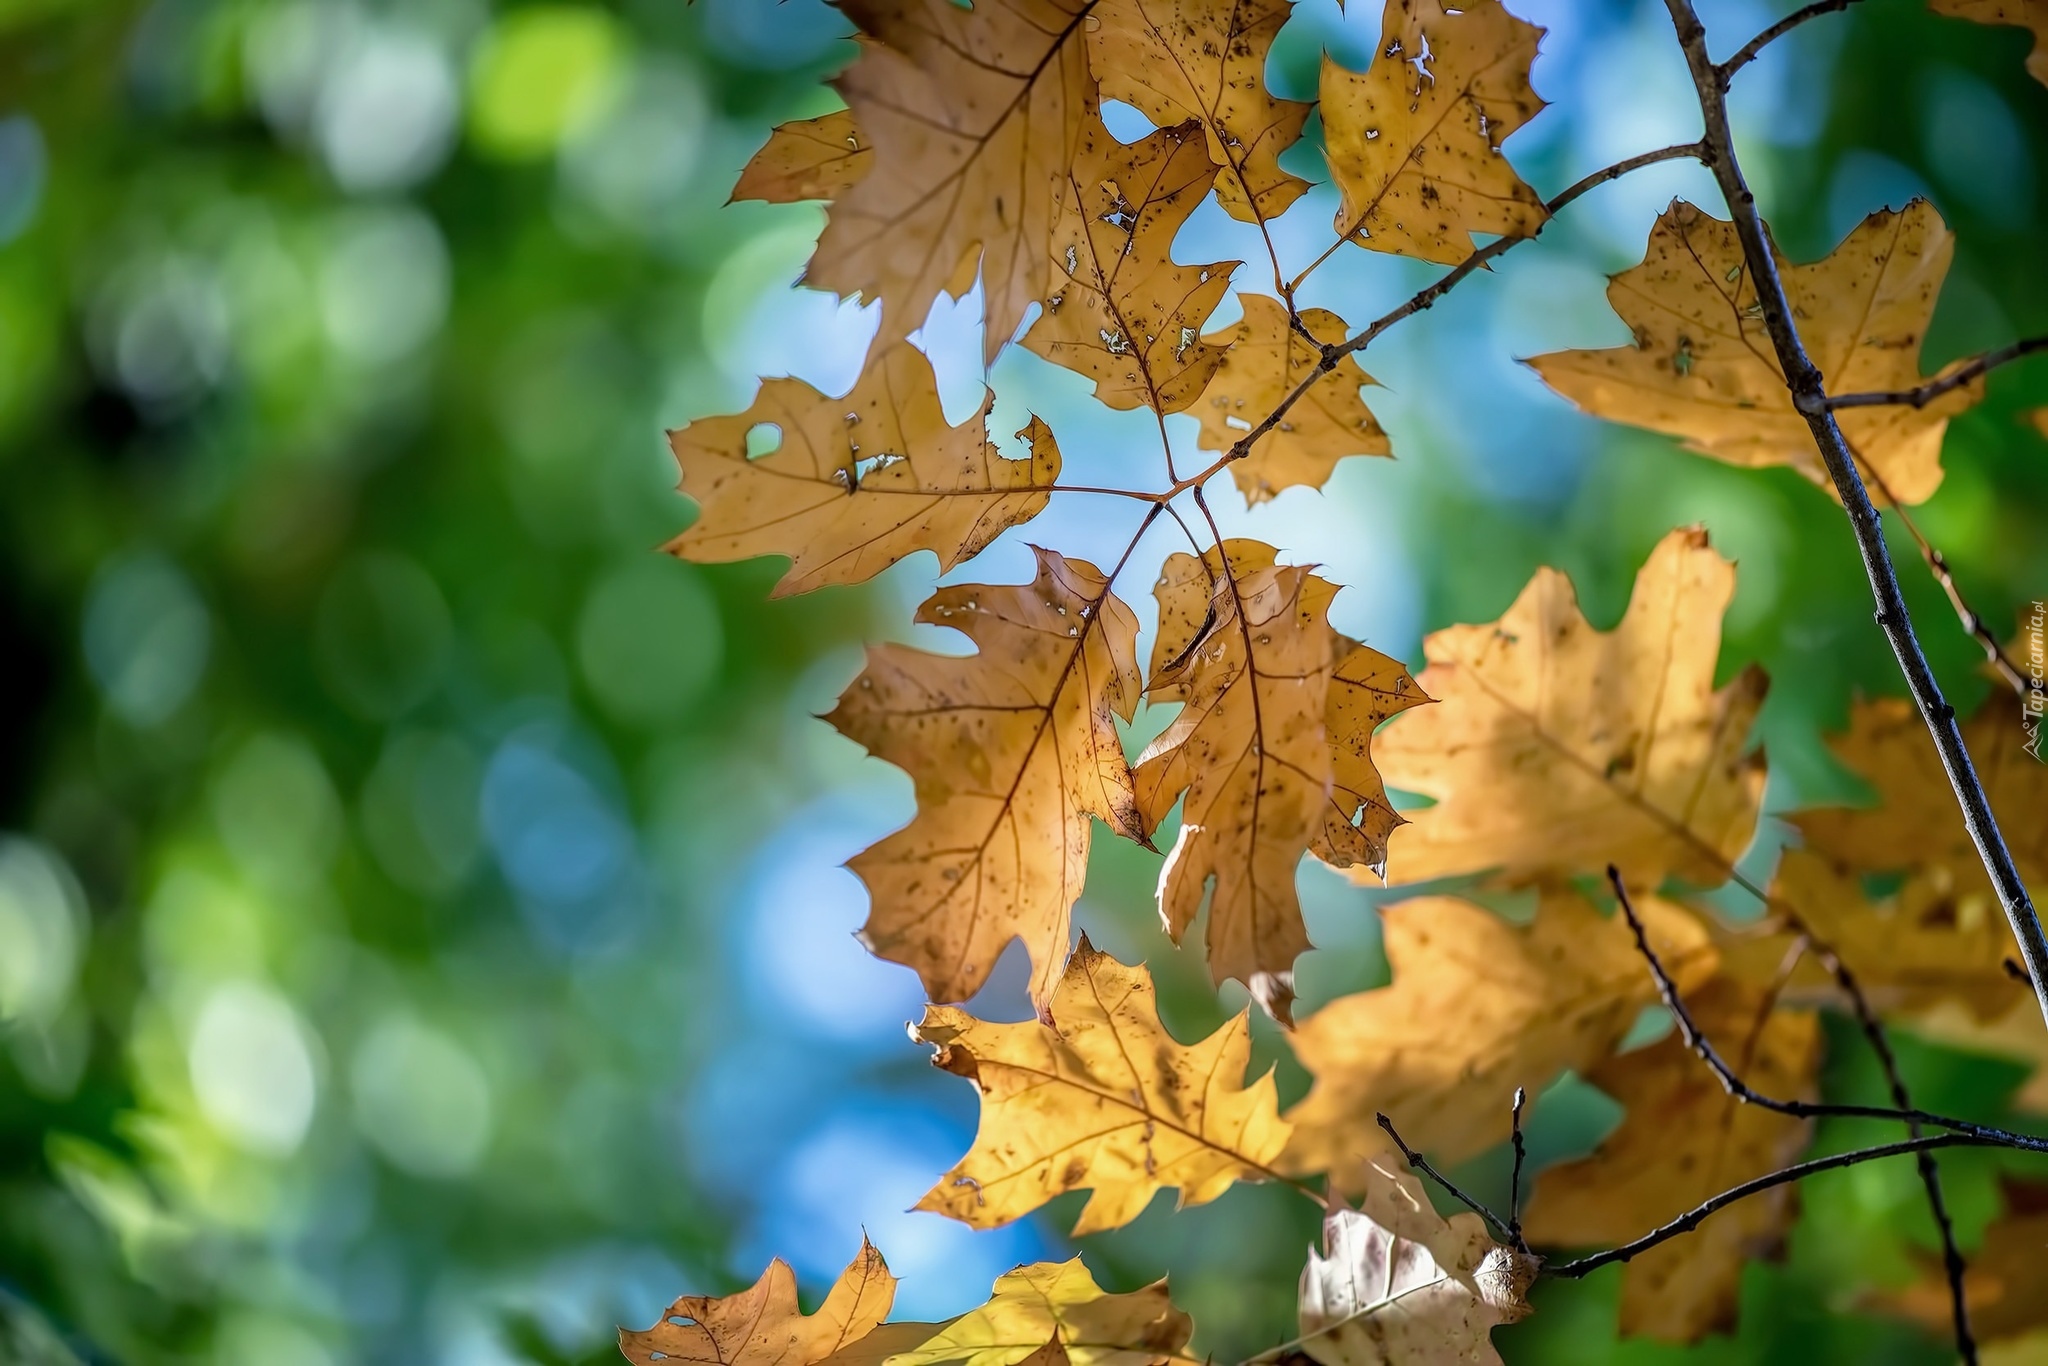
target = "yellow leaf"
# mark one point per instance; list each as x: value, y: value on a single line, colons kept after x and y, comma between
x: 762, y: 1325
x: 1251, y: 751
x: 2031, y: 15
x: 1265, y: 361
x: 856, y: 483
x: 1915, y: 828
x: 1478, y: 1007
x: 974, y: 114
x: 1558, y: 749
x: 1397, y: 1284
x: 1366, y: 688
x: 2006, y: 1287
x: 1102, y: 1097
x: 1013, y: 750
x: 1702, y: 367
x: 1119, y: 310
x: 1048, y: 1302
x: 1414, y: 143
x: 1206, y: 60
x: 1683, y: 1139
x: 806, y: 159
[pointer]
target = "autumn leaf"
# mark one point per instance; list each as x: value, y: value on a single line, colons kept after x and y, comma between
x: 1366, y: 688
x: 1099, y: 1096
x: 1558, y: 749
x: 2007, y: 1285
x: 1915, y: 826
x: 1118, y: 309
x: 762, y: 1325
x: 2016, y: 1036
x: 806, y: 159
x: 1683, y: 1139
x: 855, y: 483
x: 2031, y: 15
x: 1414, y: 143
x: 1049, y: 1302
x: 1702, y: 367
x: 1266, y: 359
x: 1250, y: 750
x: 974, y: 115
x: 1478, y: 1007
x: 1397, y: 1284
x: 1014, y: 751
x: 1205, y: 60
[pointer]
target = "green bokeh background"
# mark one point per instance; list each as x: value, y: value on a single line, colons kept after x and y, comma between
x: 382, y: 803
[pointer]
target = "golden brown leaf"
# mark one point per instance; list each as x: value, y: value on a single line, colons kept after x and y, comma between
x: 1119, y: 310
x: 1558, y: 749
x: 1915, y: 826
x: 1266, y: 360
x: 1397, y: 1284
x: 807, y: 159
x: 1702, y: 367
x: 2031, y: 15
x: 1058, y: 1302
x: 2016, y: 1035
x: 1414, y: 143
x: 762, y: 1325
x: 1251, y: 751
x: 2037, y: 418
x: 1013, y: 750
x: 2007, y: 1284
x: 1366, y: 688
x: 974, y: 114
x: 1683, y: 1139
x: 1206, y: 60
x: 857, y: 483
x: 1478, y: 1007
x: 1101, y: 1097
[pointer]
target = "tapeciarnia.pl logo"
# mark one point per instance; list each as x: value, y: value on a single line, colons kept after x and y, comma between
x: 2037, y: 678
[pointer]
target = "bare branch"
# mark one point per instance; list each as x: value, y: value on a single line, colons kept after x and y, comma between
x: 1416, y: 1160
x: 1809, y: 398
x: 1515, y: 1177
x: 1697, y: 1215
x: 1750, y: 49
x: 1925, y: 394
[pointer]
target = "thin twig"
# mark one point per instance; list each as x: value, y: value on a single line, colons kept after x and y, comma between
x: 1750, y: 49
x: 1809, y: 397
x: 1421, y: 1164
x: 1697, y: 1215
x: 1515, y: 1176
x: 1922, y: 395
x: 1937, y: 565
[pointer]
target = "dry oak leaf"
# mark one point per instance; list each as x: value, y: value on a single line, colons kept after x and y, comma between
x: 1266, y: 359
x: 1366, y: 688
x: 1206, y: 60
x: 762, y: 1325
x: 974, y: 114
x: 1682, y: 1140
x: 1414, y: 143
x: 1702, y: 367
x: 2007, y: 1286
x: 1915, y: 828
x: 2031, y: 15
x: 1046, y: 1302
x: 858, y: 482
x: 1251, y: 752
x: 1100, y: 1097
x: 1118, y: 308
x: 1013, y: 751
x: 806, y: 159
x: 1478, y: 1007
x: 1558, y: 749
x: 1397, y: 1284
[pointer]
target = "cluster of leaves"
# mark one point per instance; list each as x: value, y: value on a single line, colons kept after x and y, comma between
x: 973, y: 147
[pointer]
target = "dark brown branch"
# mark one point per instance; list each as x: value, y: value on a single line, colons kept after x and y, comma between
x: 1776, y: 31
x: 1809, y: 398
x: 1922, y: 395
x: 1515, y: 1176
x: 1697, y: 1215
x: 1416, y: 1160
